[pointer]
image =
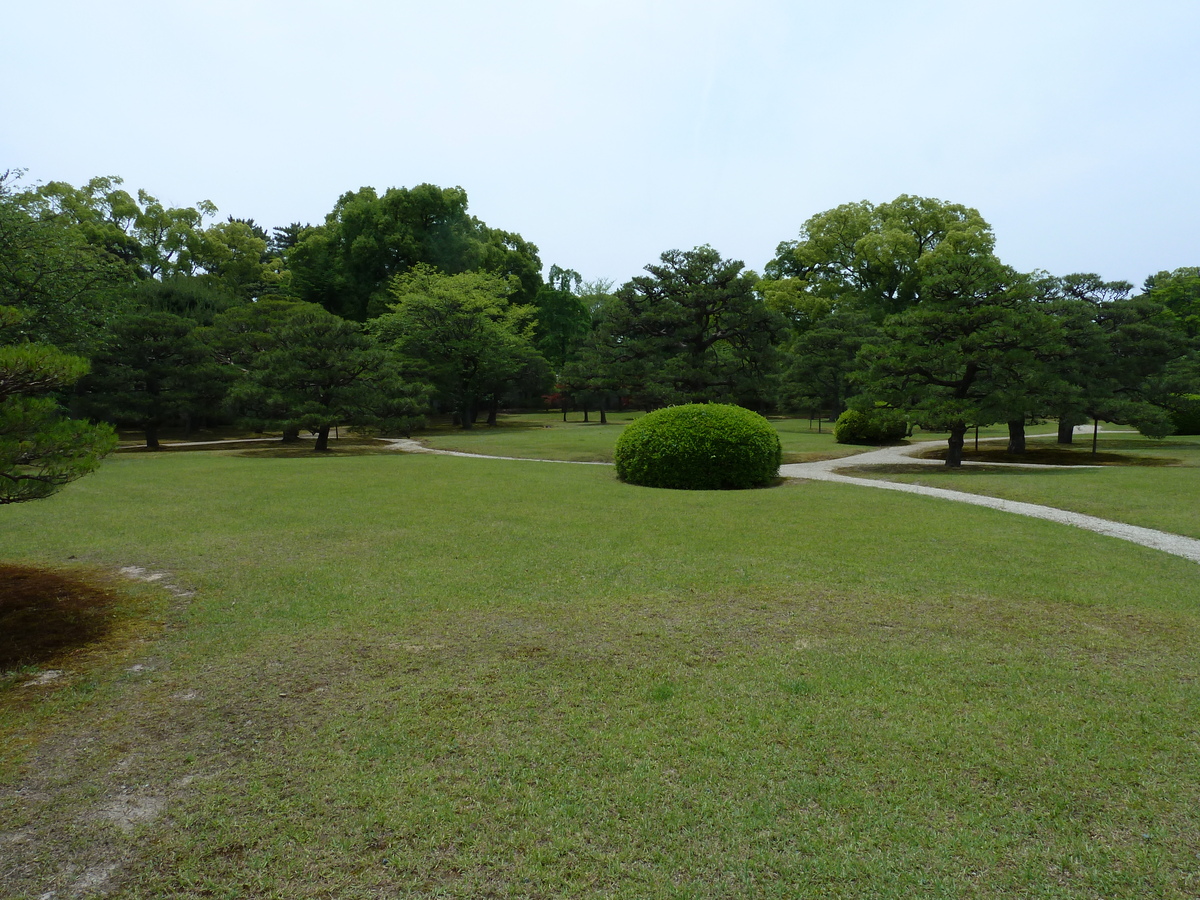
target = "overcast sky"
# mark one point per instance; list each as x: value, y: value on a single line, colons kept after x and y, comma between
x: 609, y: 131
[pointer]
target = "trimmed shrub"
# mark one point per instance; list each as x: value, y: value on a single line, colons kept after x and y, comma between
x: 700, y: 447
x: 877, y: 426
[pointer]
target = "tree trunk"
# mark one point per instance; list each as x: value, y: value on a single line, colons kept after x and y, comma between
x: 954, y: 453
x: 468, y: 415
x: 291, y: 434
x: 322, y: 439
x: 1066, y: 431
x: 1016, y: 435
x: 152, y: 437
x: 564, y: 409
x: 603, y: 417
x: 493, y: 409
x: 585, y: 412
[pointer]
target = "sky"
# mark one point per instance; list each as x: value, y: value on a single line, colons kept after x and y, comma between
x: 609, y: 132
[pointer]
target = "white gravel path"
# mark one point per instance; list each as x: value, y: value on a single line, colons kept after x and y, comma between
x: 825, y: 470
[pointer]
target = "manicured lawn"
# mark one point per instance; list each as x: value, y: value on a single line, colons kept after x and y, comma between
x: 547, y: 436
x: 1164, y: 498
x: 420, y: 676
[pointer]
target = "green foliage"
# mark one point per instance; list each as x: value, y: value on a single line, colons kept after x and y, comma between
x: 40, y: 448
x: 152, y: 370
x: 700, y: 446
x: 691, y: 330
x: 303, y: 367
x: 874, y: 426
x: 462, y: 334
x: 1185, y: 415
x: 346, y: 265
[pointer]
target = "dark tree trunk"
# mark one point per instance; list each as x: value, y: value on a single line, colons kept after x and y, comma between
x: 291, y: 434
x: 954, y: 453
x: 603, y: 417
x: 1066, y: 431
x: 493, y: 409
x: 322, y: 439
x: 468, y: 415
x: 564, y: 409
x: 585, y: 412
x: 152, y: 437
x: 1016, y: 435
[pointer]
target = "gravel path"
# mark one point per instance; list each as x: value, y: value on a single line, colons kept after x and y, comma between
x: 825, y: 470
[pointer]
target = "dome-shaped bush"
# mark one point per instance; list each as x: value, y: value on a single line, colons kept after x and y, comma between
x: 877, y: 426
x: 701, y: 446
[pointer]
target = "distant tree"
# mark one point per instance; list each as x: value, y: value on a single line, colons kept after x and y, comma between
x: 563, y: 318
x: 152, y: 371
x: 462, y: 334
x: 868, y: 256
x: 692, y: 330
x: 346, y: 264
x: 948, y: 360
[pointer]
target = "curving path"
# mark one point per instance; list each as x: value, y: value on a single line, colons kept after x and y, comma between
x: 826, y: 470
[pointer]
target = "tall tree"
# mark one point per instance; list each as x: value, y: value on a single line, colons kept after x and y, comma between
x: 949, y: 360
x: 462, y: 333
x: 692, y: 330
x: 346, y: 264
x: 151, y: 372
x: 303, y: 367
x: 869, y: 255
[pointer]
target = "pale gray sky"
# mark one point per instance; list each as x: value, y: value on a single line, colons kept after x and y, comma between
x: 608, y: 132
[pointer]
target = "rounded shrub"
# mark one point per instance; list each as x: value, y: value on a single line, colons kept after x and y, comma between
x: 876, y: 426
x: 700, y: 447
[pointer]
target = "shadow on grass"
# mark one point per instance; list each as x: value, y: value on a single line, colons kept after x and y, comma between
x: 1055, y: 456
x: 44, y: 613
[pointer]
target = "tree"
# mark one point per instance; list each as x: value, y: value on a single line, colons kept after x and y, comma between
x: 955, y: 356
x: 563, y: 318
x: 152, y: 370
x: 346, y: 265
x: 65, y: 288
x: 303, y: 367
x: 41, y: 449
x: 869, y: 256
x: 461, y: 333
x: 692, y: 330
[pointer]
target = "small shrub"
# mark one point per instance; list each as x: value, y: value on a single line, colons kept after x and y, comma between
x: 877, y: 426
x: 701, y: 446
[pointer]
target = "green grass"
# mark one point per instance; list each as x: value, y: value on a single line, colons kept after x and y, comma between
x: 407, y: 675
x: 1151, y: 496
x: 545, y: 435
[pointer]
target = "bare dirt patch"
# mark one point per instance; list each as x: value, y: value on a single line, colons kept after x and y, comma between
x: 44, y: 613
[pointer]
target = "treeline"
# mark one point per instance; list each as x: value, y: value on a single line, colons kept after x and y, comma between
x: 127, y: 311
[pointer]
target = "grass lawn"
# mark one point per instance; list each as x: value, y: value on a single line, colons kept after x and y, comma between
x: 421, y: 676
x: 1154, y: 497
x: 545, y: 435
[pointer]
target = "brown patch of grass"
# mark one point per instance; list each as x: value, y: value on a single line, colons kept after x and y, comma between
x: 44, y: 614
